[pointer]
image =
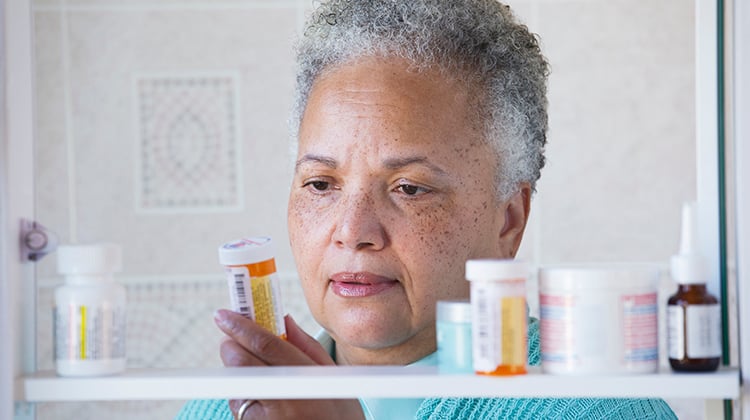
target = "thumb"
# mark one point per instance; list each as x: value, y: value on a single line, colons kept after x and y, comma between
x: 306, y: 343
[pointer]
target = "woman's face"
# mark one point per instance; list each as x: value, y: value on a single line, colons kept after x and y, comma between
x: 393, y: 191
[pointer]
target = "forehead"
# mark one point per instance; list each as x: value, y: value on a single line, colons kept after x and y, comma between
x: 375, y: 100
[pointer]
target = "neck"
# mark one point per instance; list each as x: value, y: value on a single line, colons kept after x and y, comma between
x: 401, y: 354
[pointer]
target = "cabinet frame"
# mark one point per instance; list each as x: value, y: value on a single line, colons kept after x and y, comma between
x: 17, y: 289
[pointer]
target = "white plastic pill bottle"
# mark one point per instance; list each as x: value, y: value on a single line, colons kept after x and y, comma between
x: 89, y: 312
x: 498, y: 313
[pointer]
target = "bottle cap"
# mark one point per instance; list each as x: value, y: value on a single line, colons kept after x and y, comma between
x: 454, y: 311
x: 246, y: 251
x: 103, y: 258
x: 496, y: 269
x: 689, y: 266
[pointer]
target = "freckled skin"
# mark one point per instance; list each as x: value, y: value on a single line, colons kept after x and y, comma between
x: 389, y: 185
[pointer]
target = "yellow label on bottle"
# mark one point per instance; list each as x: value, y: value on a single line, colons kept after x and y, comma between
x: 257, y: 297
x: 513, y: 323
x: 499, y: 327
x: 263, y: 303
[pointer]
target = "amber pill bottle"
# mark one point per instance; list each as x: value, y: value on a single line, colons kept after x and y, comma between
x: 694, y: 320
x: 254, y: 285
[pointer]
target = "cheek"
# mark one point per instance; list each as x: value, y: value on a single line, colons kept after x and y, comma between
x: 445, y: 237
x: 305, y: 212
x: 304, y: 235
x: 436, y: 248
x: 443, y: 231
x: 295, y: 219
x: 304, y: 224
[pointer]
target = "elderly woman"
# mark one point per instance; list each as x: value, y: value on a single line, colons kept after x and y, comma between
x: 421, y: 130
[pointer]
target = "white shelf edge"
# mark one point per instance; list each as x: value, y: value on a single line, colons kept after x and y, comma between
x: 352, y: 382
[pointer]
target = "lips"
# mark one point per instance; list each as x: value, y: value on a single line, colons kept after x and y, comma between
x: 360, y: 284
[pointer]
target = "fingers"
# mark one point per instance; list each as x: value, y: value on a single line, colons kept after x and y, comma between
x: 297, y: 409
x: 233, y: 354
x: 245, y: 409
x: 248, y: 344
x: 306, y: 343
x: 260, y: 346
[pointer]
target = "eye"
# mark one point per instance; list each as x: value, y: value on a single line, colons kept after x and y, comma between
x: 317, y: 185
x: 411, y: 189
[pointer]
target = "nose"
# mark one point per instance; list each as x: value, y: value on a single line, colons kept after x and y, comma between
x: 359, y: 226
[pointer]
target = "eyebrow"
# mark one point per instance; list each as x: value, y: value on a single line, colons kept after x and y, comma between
x: 399, y: 163
x: 329, y: 162
x: 391, y: 163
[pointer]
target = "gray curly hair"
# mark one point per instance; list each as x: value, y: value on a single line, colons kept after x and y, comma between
x: 480, y: 40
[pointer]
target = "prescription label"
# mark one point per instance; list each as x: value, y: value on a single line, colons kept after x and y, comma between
x: 258, y: 298
x: 89, y: 332
x: 499, y: 333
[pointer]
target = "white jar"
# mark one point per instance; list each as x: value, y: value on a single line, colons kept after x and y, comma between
x: 89, y: 313
x: 599, y: 319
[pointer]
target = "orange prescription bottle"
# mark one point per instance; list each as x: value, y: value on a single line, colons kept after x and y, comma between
x: 498, y: 307
x: 254, y: 288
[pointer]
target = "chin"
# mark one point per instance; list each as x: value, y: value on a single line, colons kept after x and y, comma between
x: 371, y: 334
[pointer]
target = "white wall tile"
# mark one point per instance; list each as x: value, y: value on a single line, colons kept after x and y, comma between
x: 107, y: 50
x: 50, y: 151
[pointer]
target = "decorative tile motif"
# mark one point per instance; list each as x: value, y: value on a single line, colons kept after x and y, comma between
x: 188, y: 146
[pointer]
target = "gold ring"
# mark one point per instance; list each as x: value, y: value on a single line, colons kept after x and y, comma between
x: 243, y: 408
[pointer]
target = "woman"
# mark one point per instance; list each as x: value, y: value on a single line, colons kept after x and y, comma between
x: 421, y: 130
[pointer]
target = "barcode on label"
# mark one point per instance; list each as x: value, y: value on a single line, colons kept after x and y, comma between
x: 239, y: 285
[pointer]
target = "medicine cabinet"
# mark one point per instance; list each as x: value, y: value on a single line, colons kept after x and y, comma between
x: 161, y: 126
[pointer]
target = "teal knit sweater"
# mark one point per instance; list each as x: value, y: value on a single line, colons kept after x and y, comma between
x: 494, y: 408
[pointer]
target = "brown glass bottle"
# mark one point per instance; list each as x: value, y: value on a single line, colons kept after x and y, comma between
x: 694, y: 326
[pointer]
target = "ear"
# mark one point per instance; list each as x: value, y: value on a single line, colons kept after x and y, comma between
x: 516, y: 209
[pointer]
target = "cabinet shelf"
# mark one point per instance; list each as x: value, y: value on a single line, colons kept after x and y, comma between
x: 351, y: 382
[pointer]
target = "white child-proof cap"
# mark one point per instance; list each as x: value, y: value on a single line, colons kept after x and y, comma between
x: 496, y: 269
x: 89, y: 259
x: 246, y: 251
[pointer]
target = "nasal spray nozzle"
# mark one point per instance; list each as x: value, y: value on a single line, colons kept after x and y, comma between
x: 689, y: 266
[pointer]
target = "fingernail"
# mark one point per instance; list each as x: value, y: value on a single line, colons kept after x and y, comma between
x: 221, y: 318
